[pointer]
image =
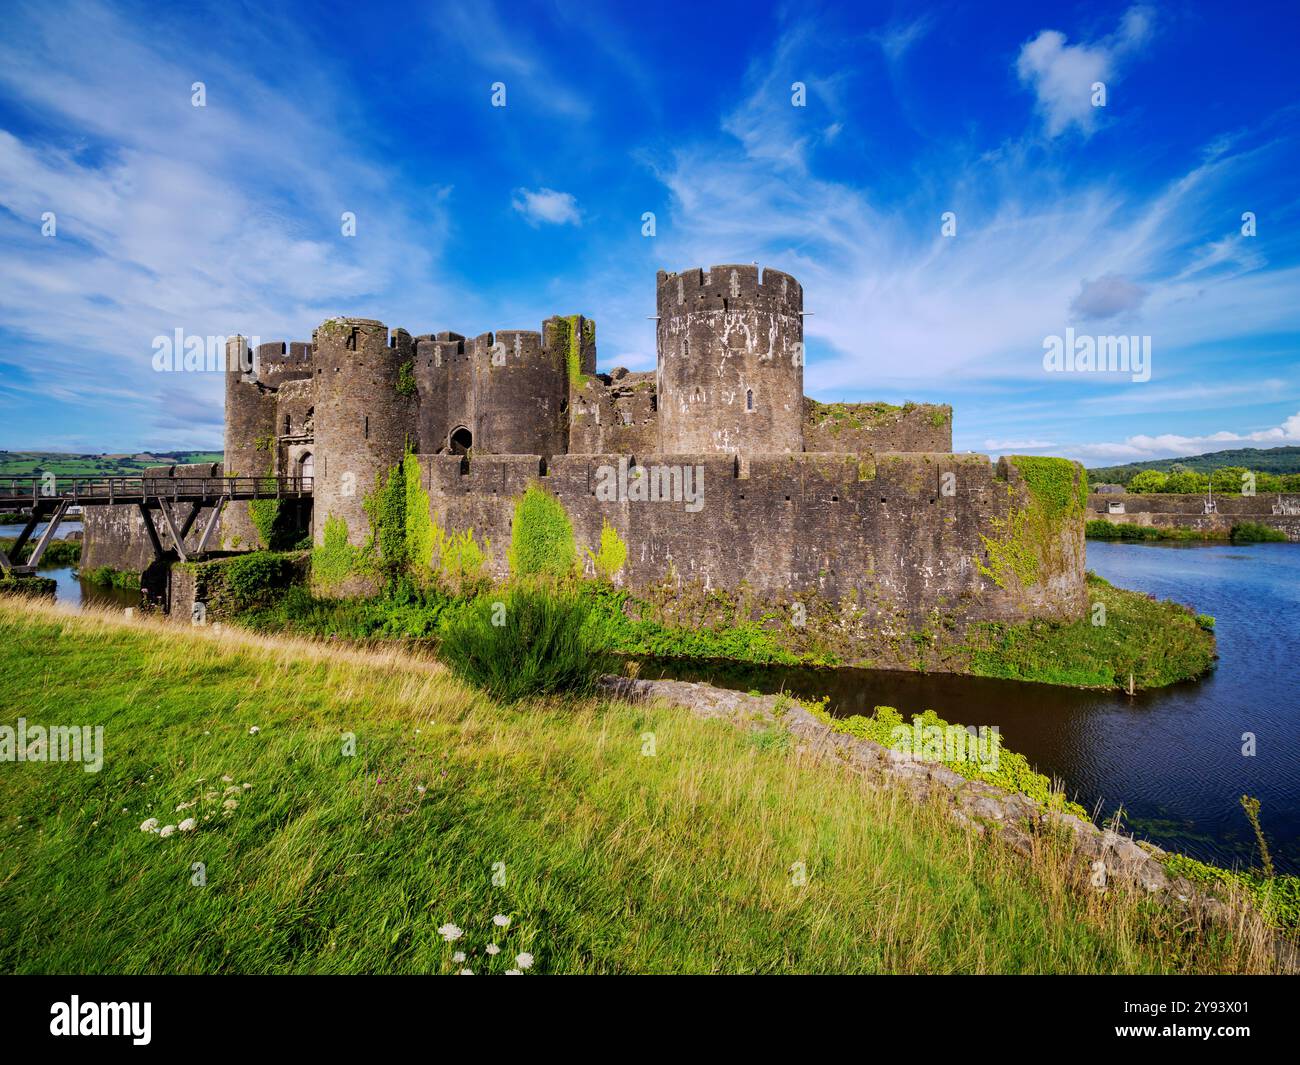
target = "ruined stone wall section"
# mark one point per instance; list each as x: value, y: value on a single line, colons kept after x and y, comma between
x: 363, y: 420
x: 614, y: 413
x: 876, y: 530
x: 730, y: 348
x: 861, y: 427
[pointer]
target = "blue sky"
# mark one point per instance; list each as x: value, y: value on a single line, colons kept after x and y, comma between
x: 1119, y: 219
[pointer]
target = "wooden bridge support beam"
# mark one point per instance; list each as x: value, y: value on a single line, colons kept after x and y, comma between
x: 207, y: 529
x: 178, y: 538
x: 150, y: 530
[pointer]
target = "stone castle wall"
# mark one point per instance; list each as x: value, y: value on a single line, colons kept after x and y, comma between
x: 875, y: 529
x: 1177, y: 511
x: 862, y: 427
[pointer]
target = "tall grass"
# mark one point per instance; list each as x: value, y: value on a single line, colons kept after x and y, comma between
x: 526, y: 640
x: 616, y: 838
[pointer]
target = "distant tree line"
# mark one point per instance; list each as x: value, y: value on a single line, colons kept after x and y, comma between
x: 1226, y: 480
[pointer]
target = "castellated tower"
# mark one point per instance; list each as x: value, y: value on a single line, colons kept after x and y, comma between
x: 252, y: 378
x: 521, y: 395
x: 365, y: 415
x: 443, y: 379
x: 730, y: 361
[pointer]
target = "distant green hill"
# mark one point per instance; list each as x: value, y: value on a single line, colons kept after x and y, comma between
x: 63, y: 464
x: 1261, y: 460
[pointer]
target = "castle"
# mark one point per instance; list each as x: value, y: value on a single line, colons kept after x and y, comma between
x: 794, y: 496
x: 715, y: 471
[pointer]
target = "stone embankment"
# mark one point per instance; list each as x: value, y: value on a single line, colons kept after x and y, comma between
x: 1015, y: 819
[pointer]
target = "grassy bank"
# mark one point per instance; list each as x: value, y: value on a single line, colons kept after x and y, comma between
x: 1158, y: 642
x: 1246, y: 532
x: 1124, y: 634
x: 453, y: 809
x: 58, y: 553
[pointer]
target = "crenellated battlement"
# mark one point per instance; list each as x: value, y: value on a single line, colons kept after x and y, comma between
x: 728, y: 287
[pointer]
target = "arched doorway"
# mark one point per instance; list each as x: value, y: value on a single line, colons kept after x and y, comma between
x: 460, y: 441
x: 305, y: 465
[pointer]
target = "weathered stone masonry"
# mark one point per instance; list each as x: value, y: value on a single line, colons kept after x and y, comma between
x: 857, y: 504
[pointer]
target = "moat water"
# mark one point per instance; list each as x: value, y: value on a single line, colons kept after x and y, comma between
x: 1172, y: 758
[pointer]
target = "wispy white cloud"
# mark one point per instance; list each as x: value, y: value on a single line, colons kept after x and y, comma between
x: 1142, y: 447
x: 215, y: 220
x: 546, y: 206
x: 1062, y: 75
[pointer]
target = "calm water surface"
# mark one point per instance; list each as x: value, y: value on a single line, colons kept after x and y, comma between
x: 1171, y: 758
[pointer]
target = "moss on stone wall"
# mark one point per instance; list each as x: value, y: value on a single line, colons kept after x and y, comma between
x: 612, y: 554
x: 1031, y: 536
x: 569, y: 338
x: 541, y: 536
x: 337, y: 558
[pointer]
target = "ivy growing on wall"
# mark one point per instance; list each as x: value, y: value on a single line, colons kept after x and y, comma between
x: 1030, y: 535
x: 541, y: 537
x: 612, y: 554
x: 336, y: 558
x: 386, y: 509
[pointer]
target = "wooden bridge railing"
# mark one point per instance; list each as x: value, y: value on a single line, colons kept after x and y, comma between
x: 35, y: 491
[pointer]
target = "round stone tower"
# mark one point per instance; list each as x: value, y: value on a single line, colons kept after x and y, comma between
x: 730, y: 361
x: 521, y: 395
x: 249, y: 438
x: 364, y: 416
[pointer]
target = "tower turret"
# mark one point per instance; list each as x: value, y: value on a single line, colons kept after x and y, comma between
x: 730, y: 346
x: 365, y: 414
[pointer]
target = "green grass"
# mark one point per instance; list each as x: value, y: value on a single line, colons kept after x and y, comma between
x: 608, y: 860
x: 1157, y: 642
x: 1126, y: 530
x: 523, y: 642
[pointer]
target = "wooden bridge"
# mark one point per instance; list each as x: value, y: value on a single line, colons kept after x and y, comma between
x: 49, y: 499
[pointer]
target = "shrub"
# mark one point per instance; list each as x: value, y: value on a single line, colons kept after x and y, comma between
x: 527, y: 641
x: 1148, y: 481
x: 1253, y: 532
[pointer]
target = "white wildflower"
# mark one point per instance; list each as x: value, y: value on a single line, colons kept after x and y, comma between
x: 166, y: 831
x: 513, y: 972
x: 501, y: 921
x: 450, y: 932
x: 492, y: 949
x: 458, y: 957
x: 524, y: 961
x: 227, y: 779
x: 230, y: 804
x: 188, y: 825
x: 151, y: 825
x: 254, y: 731
x: 466, y: 972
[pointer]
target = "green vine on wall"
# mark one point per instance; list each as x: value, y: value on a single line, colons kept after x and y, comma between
x: 1029, y: 535
x: 541, y: 536
x: 612, y: 554
x: 406, y: 378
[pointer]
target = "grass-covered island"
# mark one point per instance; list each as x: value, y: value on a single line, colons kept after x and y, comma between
x: 310, y: 806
